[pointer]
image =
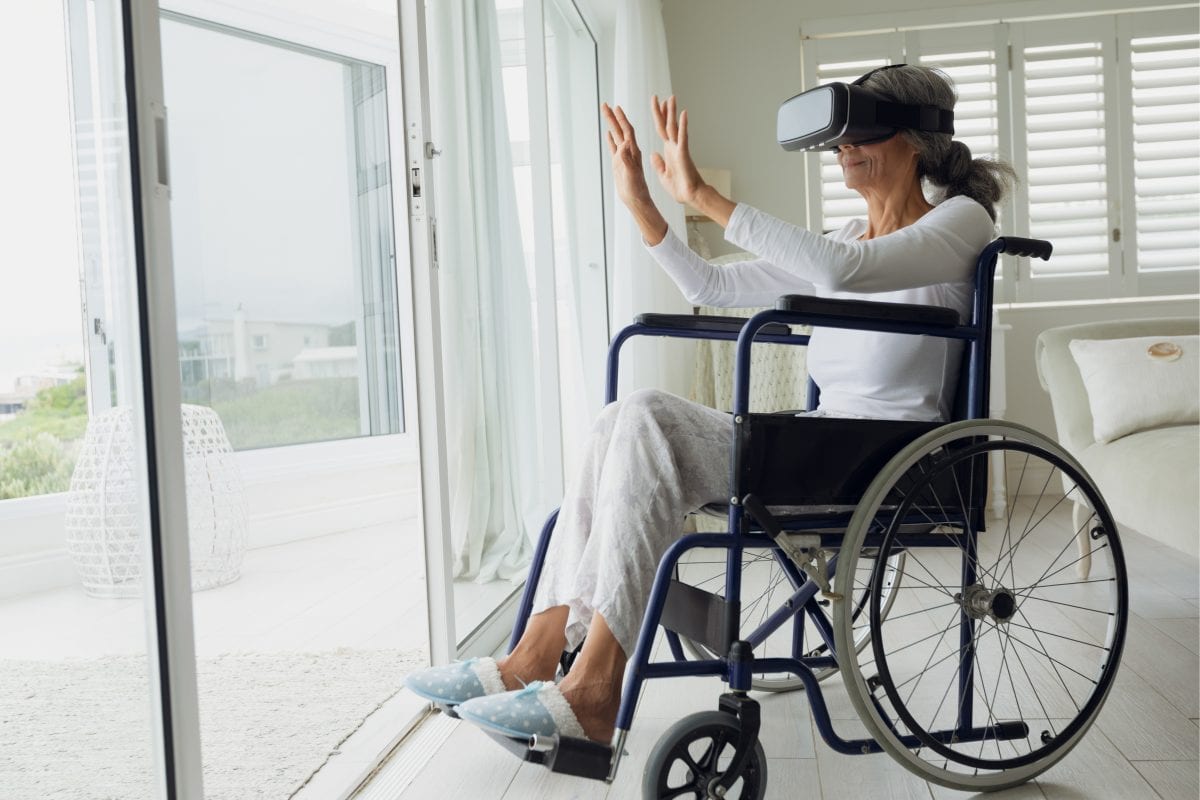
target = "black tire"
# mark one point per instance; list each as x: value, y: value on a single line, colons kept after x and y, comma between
x: 693, y: 752
x: 998, y: 612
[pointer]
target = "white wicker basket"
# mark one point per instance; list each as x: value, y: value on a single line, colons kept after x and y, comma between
x: 105, y: 526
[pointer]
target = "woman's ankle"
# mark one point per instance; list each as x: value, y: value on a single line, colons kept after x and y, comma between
x: 516, y: 671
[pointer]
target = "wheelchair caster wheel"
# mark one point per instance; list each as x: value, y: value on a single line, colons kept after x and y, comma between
x: 692, y: 756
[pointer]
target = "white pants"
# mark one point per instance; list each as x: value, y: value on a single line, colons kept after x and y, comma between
x: 652, y: 459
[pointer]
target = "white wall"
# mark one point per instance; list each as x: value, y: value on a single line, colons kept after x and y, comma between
x: 732, y: 64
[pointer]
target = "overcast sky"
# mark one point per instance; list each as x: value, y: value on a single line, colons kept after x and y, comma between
x: 40, y: 319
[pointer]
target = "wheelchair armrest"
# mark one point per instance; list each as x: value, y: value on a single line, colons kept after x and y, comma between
x: 936, y: 316
x: 707, y: 324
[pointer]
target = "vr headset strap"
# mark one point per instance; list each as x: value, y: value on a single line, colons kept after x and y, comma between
x: 921, y: 118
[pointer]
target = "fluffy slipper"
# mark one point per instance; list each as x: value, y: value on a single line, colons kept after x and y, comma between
x: 539, y: 709
x: 458, y: 682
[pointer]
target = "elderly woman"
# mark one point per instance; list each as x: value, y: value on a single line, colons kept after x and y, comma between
x: 654, y: 457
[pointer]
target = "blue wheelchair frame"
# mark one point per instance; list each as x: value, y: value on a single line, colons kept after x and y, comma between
x: 593, y: 760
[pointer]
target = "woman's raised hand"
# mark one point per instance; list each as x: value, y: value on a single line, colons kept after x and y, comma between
x: 674, y: 166
x: 628, y: 177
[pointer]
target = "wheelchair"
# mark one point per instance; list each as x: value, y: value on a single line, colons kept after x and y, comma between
x: 970, y: 649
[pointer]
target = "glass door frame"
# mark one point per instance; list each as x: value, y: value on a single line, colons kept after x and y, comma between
x: 434, y: 512
x: 170, y: 629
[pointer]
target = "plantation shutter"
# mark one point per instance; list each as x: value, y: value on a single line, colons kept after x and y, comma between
x: 968, y: 55
x: 1063, y: 80
x: 832, y: 205
x: 1162, y: 55
x: 1100, y: 117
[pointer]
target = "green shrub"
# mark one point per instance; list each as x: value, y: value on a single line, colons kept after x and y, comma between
x: 60, y: 411
x: 39, y: 465
x: 292, y: 412
x: 38, y: 447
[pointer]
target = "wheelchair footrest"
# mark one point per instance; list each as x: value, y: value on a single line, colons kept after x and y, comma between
x: 582, y: 758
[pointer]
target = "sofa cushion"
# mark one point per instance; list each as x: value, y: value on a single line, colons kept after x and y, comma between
x: 1139, y: 383
x: 1149, y: 481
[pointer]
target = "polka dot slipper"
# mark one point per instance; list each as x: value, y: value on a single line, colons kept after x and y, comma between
x: 458, y: 682
x: 539, y: 709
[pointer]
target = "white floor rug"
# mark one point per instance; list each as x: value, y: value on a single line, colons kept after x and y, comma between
x: 80, y: 729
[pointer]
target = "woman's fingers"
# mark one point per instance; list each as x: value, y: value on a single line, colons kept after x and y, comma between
x: 672, y: 125
x: 626, y: 127
x: 614, y: 127
x: 612, y: 146
x: 683, y: 131
x: 660, y: 120
x: 620, y: 131
x: 660, y: 166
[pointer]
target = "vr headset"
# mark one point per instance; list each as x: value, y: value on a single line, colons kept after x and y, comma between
x: 840, y: 113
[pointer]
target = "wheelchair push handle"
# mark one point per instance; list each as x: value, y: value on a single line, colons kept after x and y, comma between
x: 1025, y: 248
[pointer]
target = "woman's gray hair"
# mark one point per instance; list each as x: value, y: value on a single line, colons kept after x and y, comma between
x: 942, y: 160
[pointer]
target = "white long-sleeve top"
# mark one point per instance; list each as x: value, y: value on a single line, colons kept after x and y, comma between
x: 861, y: 373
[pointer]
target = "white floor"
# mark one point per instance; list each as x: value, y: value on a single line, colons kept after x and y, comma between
x: 361, y: 590
x: 1145, y: 743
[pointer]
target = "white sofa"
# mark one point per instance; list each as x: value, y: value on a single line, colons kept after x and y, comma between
x: 1148, y: 478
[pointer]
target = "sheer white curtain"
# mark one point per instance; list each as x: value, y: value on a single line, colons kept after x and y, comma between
x: 638, y: 284
x: 488, y: 343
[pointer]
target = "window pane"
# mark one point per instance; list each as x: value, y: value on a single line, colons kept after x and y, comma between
x: 43, y: 403
x: 311, y: 607
x: 282, y: 237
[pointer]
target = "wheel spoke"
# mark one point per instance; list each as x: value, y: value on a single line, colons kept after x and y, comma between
x: 1054, y: 662
x: 681, y: 791
x: 1069, y: 605
x: 1033, y: 688
x: 1011, y: 551
x: 924, y: 670
x: 1076, y: 561
x: 691, y: 762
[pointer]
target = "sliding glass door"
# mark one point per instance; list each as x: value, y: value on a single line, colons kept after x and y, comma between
x: 212, y: 578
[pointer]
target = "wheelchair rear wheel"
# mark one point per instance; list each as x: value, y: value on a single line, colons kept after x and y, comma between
x: 694, y: 754
x: 995, y: 657
x: 765, y: 586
